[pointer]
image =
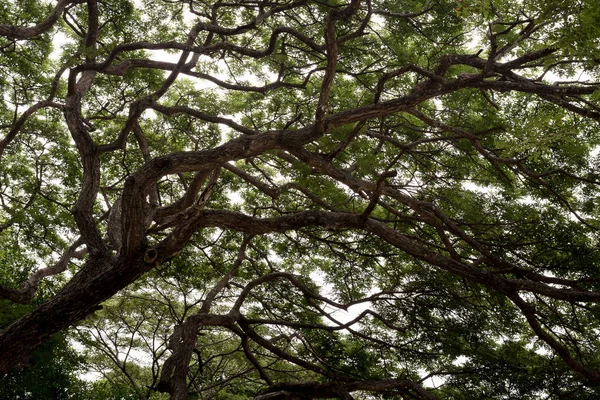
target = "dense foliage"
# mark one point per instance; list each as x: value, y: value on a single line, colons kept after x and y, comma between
x: 290, y: 199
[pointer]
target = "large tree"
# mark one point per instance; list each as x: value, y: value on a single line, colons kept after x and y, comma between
x: 305, y: 198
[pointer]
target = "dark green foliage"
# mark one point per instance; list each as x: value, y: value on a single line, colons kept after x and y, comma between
x: 50, y: 373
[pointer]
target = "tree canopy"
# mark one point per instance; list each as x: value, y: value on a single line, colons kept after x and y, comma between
x: 297, y: 199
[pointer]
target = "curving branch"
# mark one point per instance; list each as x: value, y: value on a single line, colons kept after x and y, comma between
x: 335, y: 390
x: 20, y: 33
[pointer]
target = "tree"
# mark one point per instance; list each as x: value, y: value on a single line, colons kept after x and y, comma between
x: 226, y: 178
x: 51, y: 368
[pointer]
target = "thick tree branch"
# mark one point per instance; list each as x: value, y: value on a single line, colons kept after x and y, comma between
x: 313, y: 390
x: 20, y: 33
